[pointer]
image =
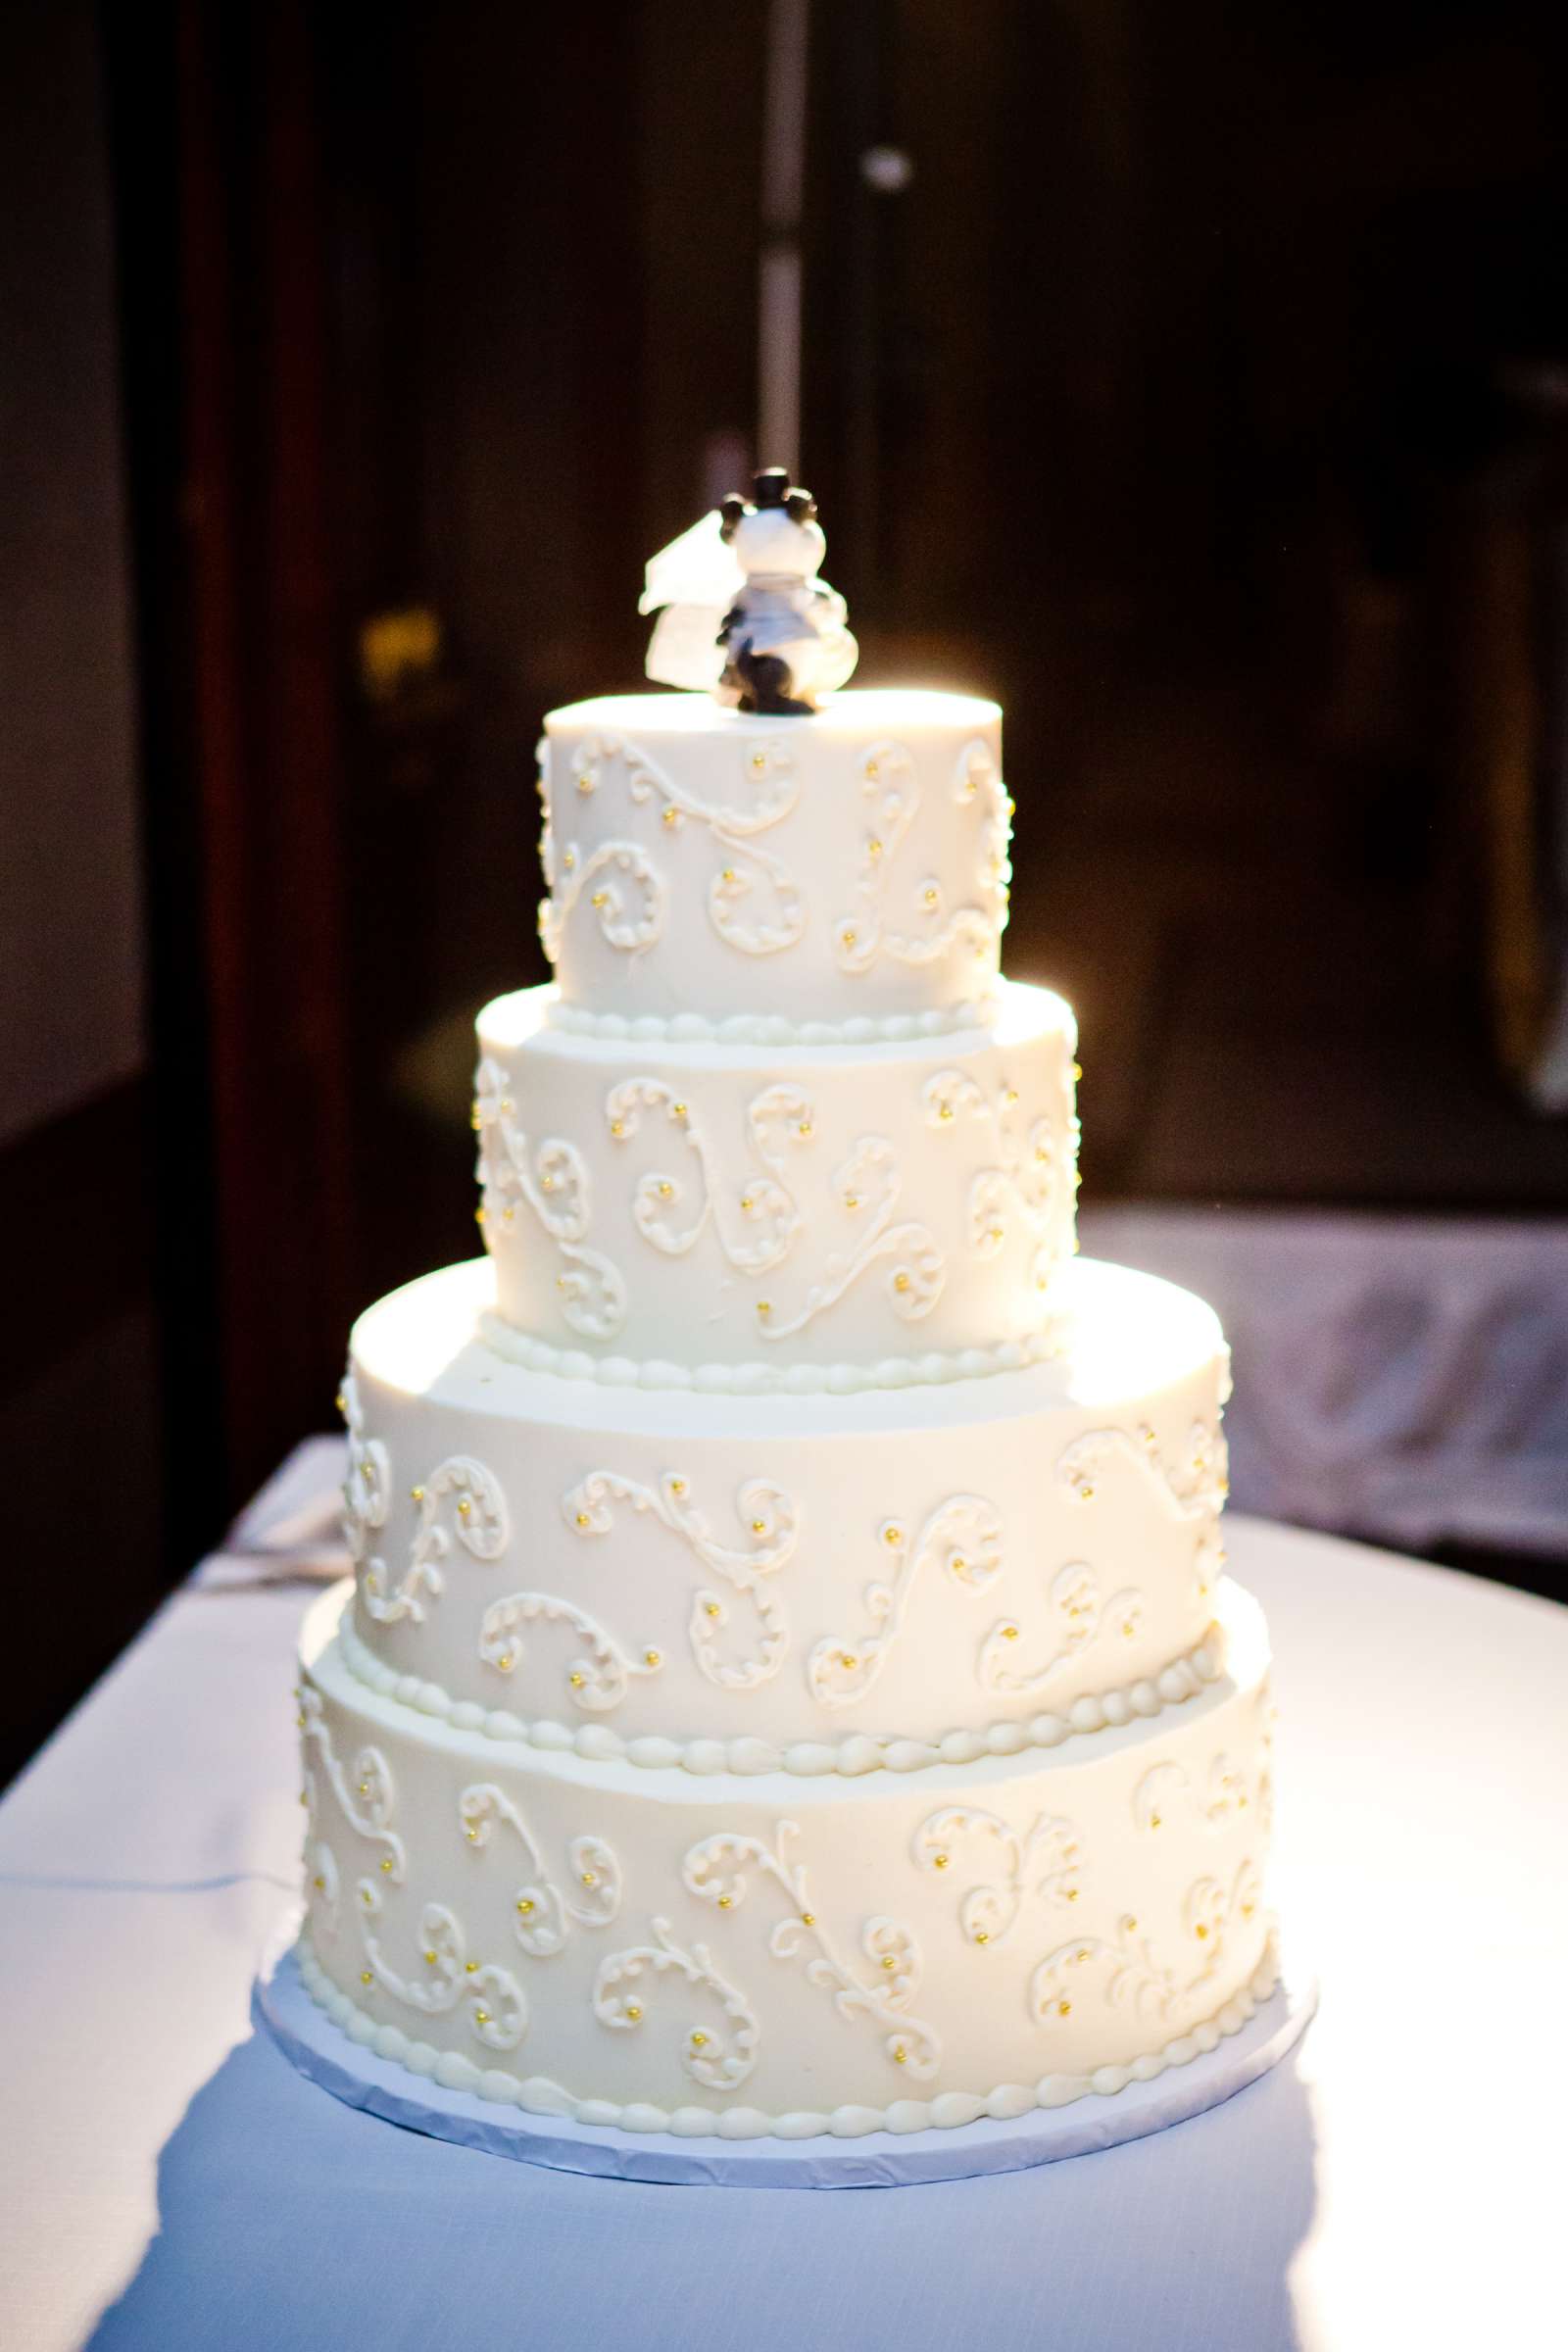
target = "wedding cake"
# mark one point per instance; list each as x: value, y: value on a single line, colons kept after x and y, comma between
x: 789, y: 1682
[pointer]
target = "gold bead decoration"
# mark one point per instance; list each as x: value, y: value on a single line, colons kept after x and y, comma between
x: 505, y: 1661
x: 342, y: 1403
x: 872, y: 771
x: 758, y: 762
x: 726, y: 1902
x: 759, y: 1527
x: 1086, y: 1494
x: 710, y: 1608
x: 365, y: 1977
x: 470, y: 1968
x: 590, y: 1877
x: 430, y: 1959
x: 901, y: 1280
x: 576, y: 1681
x: 547, y: 1184
x: 727, y: 874
x: 803, y: 1131
x: 851, y: 1199
x: 930, y: 895
x: 808, y: 1919
x: 471, y: 1834
x: 679, y: 1111
x: 507, y: 1215
x: 617, y: 1128
x: 320, y: 1884
x: 1156, y: 1821
x: 698, y: 2038
x: 764, y: 1308
x: 599, y: 898
x: 478, y: 1214
x: 525, y: 1904
x: 666, y: 1190
x: 893, y: 1534
x: 982, y: 1935
x: 653, y: 1657
x: 415, y: 1493
x: 365, y: 1787
x: 1202, y: 1932
x: 873, y: 849
x: 633, y: 2011
x: 465, y: 1508
x: 900, y: 2055
x: 746, y: 1205
x: 1064, y: 2008
x: 481, y: 2017
x: 846, y: 939
x: 1012, y: 1094
x: 1070, y: 1895
x: 940, y: 1861
x: 1077, y: 1071
x: 1010, y: 1633
x: 677, y: 1485
x: 945, y: 1110
x: 848, y: 1661
x: 670, y: 817
x: 583, y: 1519
x: 889, y: 1962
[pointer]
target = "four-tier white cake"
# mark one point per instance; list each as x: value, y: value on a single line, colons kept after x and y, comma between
x: 788, y: 1684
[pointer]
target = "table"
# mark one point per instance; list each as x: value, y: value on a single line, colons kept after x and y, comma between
x: 167, y: 2179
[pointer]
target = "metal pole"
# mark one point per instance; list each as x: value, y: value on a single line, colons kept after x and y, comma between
x: 779, y: 282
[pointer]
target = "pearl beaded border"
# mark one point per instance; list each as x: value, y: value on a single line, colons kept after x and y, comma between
x: 949, y: 2111
x: 805, y: 1759
x: 772, y: 1028
x: 929, y: 1371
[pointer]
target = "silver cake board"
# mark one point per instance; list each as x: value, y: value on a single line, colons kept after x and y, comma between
x: 324, y: 2053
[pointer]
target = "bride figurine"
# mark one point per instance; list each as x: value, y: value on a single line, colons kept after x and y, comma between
x: 741, y: 613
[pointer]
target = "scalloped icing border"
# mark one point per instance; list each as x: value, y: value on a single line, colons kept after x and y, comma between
x: 773, y: 1028
x: 949, y: 2111
x: 933, y: 1370
x: 805, y: 1759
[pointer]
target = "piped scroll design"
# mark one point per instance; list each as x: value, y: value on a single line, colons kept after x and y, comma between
x: 1030, y: 1166
x: 1192, y: 1486
x: 1047, y: 1861
x: 771, y: 1522
x: 368, y: 1805
x: 626, y: 1979
x: 890, y: 785
x: 543, y: 1915
x: 756, y: 1219
x: 597, y: 1680
x: 717, y: 1868
x: 1080, y: 1612
x: 1166, y: 1791
x: 497, y: 2012
x: 368, y: 1484
x: 963, y: 1536
x: 626, y: 896
x: 494, y: 2001
x: 754, y: 902
x: 1129, y: 1973
x: 552, y: 1179
x: 482, y: 1528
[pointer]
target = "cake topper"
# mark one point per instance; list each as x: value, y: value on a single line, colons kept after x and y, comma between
x: 741, y: 613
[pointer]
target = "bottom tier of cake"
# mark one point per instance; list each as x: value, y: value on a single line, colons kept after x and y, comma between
x: 670, y: 1952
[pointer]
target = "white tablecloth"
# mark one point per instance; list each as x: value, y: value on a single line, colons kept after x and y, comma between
x: 167, y: 2180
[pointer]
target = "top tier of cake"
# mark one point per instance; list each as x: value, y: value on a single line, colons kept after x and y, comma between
x: 844, y: 875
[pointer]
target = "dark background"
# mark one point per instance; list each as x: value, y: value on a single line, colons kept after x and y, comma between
x: 1203, y: 397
